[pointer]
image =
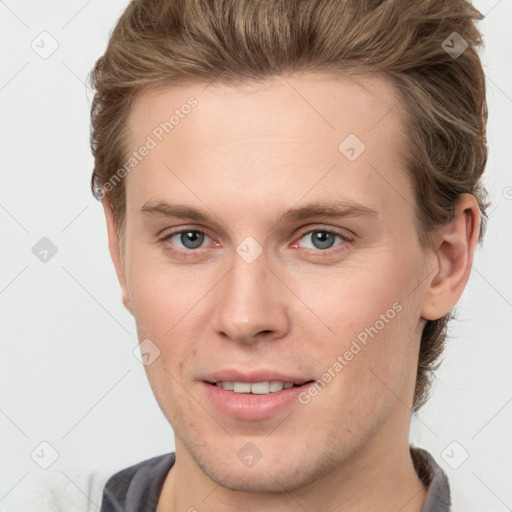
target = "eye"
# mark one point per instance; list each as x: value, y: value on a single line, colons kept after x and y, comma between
x: 323, y: 239
x: 189, y: 239
x: 186, y: 241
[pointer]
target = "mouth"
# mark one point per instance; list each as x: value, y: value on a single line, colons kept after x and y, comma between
x: 253, y: 396
x: 258, y: 388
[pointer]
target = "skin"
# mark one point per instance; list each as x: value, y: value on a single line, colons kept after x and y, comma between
x: 245, y: 154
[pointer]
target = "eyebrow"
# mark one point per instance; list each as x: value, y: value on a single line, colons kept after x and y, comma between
x: 329, y: 209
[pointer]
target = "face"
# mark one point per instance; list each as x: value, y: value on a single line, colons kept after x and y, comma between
x: 303, y: 267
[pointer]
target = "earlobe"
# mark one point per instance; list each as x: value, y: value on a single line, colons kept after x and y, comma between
x: 454, y: 245
x: 115, y: 251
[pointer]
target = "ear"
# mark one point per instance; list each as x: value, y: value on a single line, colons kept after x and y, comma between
x: 115, y: 251
x: 454, y: 245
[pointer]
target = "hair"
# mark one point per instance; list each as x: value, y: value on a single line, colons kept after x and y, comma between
x: 174, y: 42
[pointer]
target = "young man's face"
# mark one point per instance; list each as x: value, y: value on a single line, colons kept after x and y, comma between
x: 264, y: 297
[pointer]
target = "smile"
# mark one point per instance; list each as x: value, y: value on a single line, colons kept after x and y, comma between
x: 253, y: 401
x: 257, y: 388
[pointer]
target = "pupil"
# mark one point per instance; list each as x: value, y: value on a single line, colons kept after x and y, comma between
x: 193, y: 238
x: 320, y: 237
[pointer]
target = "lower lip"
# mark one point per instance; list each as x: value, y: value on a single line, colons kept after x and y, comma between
x: 250, y: 406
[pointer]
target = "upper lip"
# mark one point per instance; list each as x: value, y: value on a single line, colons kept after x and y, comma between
x: 237, y: 375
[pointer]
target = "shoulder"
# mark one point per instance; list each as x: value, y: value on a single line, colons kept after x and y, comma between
x: 139, y: 484
x: 68, y: 489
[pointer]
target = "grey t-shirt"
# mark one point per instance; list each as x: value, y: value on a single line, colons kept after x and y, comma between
x: 137, y: 488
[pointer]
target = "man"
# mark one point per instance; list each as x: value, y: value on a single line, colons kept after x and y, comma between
x: 292, y: 196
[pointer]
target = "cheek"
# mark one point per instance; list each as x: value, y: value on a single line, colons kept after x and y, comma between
x: 160, y: 295
x: 357, y: 303
x: 167, y: 307
x: 369, y: 320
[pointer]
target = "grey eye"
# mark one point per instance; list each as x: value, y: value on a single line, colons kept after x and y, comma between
x: 189, y: 238
x: 322, y: 239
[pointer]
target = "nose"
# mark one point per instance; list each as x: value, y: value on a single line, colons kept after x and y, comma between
x: 252, y: 302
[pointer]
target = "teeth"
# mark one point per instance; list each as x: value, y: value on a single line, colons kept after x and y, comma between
x: 242, y: 387
x: 260, y: 388
x: 276, y: 385
x: 257, y: 388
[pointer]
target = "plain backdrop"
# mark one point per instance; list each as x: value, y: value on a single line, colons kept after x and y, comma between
x: 68, y: 375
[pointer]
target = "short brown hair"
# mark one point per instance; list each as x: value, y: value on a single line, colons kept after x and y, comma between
x: 174, y: 42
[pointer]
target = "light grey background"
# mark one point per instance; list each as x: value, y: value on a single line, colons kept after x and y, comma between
x: 68, y: 375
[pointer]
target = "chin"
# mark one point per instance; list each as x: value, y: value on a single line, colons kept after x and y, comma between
x: 259, y: 481
x: 265, y: 477
x: 253, y: 483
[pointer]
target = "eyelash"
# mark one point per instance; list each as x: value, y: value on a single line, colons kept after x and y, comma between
x: 185, y: 253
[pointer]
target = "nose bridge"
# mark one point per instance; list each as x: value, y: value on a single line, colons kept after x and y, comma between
x: 249, y: 303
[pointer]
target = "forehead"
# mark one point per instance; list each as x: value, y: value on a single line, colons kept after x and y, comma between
x: 320, y: 135
x: 327, y: 104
